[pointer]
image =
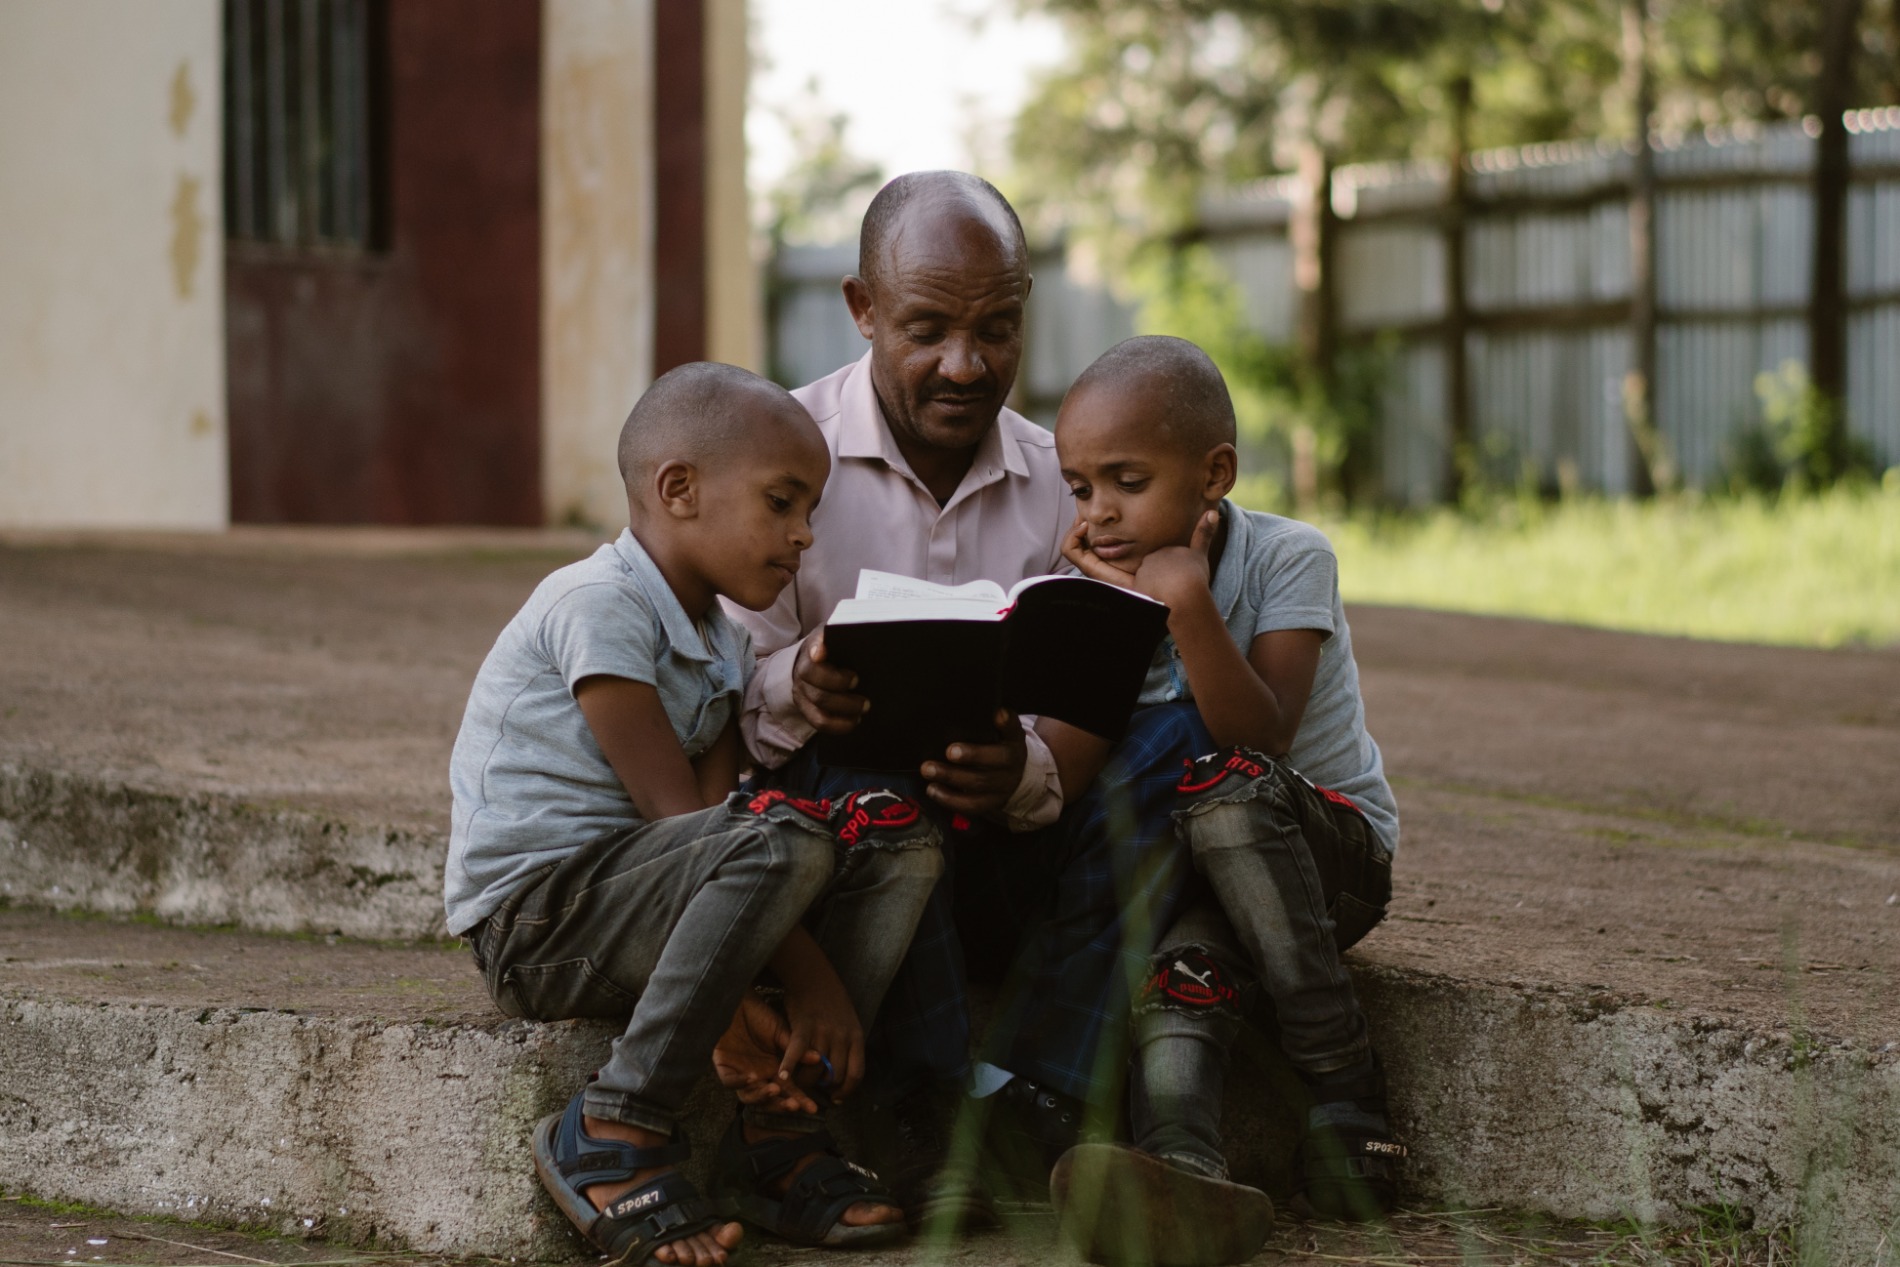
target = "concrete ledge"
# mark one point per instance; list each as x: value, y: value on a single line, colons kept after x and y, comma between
x: 403, y: 1134
x: 1586, y: 1106
x: 73, y: 843
x: 412, y: 1131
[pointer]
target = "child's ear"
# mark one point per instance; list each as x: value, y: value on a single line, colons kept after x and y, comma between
x: 1223, y: 468
x: 676, y: 485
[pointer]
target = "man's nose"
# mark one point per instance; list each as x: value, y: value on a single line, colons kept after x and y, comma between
x: 962, y: 360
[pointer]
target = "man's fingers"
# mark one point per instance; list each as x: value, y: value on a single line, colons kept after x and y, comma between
x: 956, y: 778
x: 827, y: 677
x: 974, y: 804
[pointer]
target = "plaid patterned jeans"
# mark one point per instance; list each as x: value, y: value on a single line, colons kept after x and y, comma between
x: 1068, y: 916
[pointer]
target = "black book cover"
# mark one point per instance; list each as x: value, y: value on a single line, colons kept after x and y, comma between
x: 1069, y: 648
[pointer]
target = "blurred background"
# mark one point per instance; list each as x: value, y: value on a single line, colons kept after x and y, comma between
x: 1587, y: 309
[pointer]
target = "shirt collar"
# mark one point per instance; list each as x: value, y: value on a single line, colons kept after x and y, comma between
x: 1230, y: 575
x: 681, y: 633
x: 863, y: 433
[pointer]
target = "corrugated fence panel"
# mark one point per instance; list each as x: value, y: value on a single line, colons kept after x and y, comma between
x: 1413, y: 442
x: 1390, y: 274
x: 1261, y: 265
x: 1548, y: 352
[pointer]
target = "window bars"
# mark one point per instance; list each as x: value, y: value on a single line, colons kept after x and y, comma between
x: 297, y: 133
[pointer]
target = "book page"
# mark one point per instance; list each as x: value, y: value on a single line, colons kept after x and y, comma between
x: 873, y: 584
x: 1029, y: 582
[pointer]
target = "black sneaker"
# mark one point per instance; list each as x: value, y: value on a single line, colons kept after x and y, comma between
x: 1350, y: 1162
x: 935, y: 1181
x: 1030, y: 1127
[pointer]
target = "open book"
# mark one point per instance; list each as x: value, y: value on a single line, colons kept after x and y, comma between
x: 937, y: 661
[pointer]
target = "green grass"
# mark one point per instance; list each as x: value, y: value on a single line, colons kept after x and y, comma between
x: 1818, y: 571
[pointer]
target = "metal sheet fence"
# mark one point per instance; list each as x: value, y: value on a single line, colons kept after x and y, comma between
x: 1547, y: 279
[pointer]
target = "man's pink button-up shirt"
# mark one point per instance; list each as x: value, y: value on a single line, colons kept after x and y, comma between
x: 1005, y: 522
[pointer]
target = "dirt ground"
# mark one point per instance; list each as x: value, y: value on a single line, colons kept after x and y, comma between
x: 37, y: 1235
x: 1712, y: 826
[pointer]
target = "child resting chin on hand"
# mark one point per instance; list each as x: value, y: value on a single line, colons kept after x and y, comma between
x: 1291, y: 823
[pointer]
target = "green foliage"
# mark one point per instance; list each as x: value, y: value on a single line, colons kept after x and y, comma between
x: 1183, y: 291
x: 1800, y: 443
x: 1805, y: 571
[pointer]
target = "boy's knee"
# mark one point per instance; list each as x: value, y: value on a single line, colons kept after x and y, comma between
x: 1188, y: 992
x: 1233, y: 798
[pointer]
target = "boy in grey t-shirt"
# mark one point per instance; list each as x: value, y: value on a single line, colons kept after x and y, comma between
x: 602, y: 865
x: 1291, y: 822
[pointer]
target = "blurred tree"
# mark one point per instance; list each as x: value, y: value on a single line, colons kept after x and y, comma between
x: 1160, y: 101
x: 822, y: 195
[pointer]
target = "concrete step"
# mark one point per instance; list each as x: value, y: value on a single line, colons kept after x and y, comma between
x: 366, y: 1092
x: 85, y: 843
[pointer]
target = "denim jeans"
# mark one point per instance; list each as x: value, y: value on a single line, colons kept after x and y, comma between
x: 1066, y: 917
x: 665, y: 925
x: 1294, y: 875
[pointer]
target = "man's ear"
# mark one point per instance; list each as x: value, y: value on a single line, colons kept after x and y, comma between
x: 857, y: 297
x: 676, y: 485
x: 1223, y: 468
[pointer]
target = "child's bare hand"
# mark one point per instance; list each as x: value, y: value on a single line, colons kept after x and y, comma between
x: 824, y: 692
x: 824, y: 1029
x: 1174, y: 574
x: 1075, y: 548
x: 979, y: 778
x: 747, y: 1058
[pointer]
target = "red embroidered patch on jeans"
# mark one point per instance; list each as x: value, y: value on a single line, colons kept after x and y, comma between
x: 817, y: 811
x: 875, y: 809
x: 1198, y: 780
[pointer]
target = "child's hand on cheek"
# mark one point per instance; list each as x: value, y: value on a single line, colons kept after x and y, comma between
x: 1176, y: 574
x: 1075, y: 549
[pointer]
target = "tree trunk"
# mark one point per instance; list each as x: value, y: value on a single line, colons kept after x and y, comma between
x: 1462, y: 455
x: 1313, y: 231
x: 1827, y: 300
x: 1646, y: 467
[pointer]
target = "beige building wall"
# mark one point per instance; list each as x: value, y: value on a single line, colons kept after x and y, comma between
x: 735, y: 308
x: 597, y: 277
x: 111, y: 277
x: 596, y: 247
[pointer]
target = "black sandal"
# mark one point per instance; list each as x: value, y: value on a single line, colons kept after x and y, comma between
x: 667, y: 1209
x: 1349, y: 1160
x: 809, y: 1211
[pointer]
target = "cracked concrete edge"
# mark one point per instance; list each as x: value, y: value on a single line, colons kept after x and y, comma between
x: 1588, y: 1107
x: 416, y: 1135
x: 70, y: 842
x: 361, y: 1131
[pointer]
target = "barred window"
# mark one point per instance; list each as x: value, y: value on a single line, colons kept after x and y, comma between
x: 298, y: 133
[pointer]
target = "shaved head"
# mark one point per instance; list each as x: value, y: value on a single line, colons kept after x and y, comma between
x: 1192, y: 409
x: 955, y: 193
x: 700, y: 410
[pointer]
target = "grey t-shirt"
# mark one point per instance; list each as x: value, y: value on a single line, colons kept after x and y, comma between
x: 531, y: 785
x: 1275, y: 574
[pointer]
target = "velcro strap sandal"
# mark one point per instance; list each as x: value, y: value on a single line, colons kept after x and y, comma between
x: 634, y: 1224
x: 810, y: 1211
x: 1350, y: 1163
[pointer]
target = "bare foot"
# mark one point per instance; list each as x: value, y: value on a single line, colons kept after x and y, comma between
x: 863, y: 1214
x: 702, y: 1249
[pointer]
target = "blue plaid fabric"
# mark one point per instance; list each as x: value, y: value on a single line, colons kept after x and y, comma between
x: 1074, y: 911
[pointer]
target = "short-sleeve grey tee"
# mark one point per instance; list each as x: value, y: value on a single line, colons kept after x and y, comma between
x: 531, y: 786
x: 1277, y: 573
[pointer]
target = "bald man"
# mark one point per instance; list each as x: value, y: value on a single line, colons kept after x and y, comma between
x: 933, y: 477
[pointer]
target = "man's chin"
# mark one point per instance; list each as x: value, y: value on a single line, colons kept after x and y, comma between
x: 957, y: 427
